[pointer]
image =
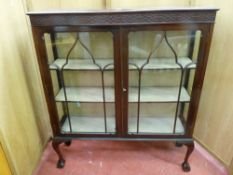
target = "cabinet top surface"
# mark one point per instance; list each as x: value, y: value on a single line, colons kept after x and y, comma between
x: 119, y: 10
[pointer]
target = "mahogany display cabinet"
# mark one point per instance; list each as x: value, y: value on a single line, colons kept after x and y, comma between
x: 123, y: 74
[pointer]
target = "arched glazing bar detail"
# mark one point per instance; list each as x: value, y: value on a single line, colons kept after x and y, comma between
x: 147, y: 61
x: 102, y: 69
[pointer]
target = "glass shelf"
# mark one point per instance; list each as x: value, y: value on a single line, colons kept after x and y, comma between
x: 158, y: 94
x: 155, y: 63
x: 162, y: 63
x: 147, y: 125
x: 81, y: 64
x: 148, y: 94
x: 85, y: 94
x: 89, y: 124
x: 163, y: 124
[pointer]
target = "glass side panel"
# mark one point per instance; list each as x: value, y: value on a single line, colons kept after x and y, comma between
x: 82, y: 71
x: 161, y: 67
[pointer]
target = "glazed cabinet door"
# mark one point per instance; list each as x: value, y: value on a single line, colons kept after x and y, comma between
x: 161, y: 66
x: 82, y: 70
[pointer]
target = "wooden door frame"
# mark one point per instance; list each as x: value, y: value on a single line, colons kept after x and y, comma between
x: 206, y: 30
x: 42, y: 57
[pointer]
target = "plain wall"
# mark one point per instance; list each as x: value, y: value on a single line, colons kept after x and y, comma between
x: 215, y: 117
x: 24, y: 124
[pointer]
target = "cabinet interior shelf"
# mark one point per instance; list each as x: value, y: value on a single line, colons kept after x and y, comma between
x: 155, y: 63
x: 163, y: 124
x: 148, y: 94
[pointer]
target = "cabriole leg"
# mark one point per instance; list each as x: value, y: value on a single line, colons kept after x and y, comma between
x: 61, y: 160
x: 185, y: 165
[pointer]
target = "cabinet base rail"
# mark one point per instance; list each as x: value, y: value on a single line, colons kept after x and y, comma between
x: 188, y: 142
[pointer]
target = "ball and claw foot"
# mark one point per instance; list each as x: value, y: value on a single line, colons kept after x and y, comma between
x: 60, y: 163
x: 68, y: 143
x: 186, y: 167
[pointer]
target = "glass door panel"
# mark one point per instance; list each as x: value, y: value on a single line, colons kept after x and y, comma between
x: 82, y: 71
x: 161, y: 68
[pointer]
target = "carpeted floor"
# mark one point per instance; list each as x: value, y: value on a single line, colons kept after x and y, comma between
x: 127, y: 158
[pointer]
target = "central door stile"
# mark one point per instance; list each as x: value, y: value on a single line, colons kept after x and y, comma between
x: 118, y: 80
x: 124, y: 53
